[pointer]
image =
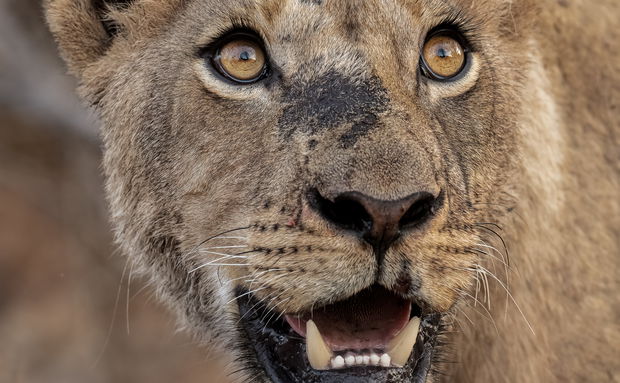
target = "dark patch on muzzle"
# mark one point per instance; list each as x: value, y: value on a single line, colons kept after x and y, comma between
x: 330, y: 101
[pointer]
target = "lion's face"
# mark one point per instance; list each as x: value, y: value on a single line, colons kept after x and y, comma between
x: 275, y: 162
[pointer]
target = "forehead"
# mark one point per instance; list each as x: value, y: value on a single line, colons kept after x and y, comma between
x: 353, y: 20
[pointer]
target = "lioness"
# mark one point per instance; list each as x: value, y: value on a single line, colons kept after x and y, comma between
x: 367, y: 191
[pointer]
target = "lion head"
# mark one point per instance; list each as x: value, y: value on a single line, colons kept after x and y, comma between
x: 315, y: 186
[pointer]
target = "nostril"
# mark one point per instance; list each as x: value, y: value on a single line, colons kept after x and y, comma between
x: 378, y: 222
x: 344, y: 212
x: 420, y: 211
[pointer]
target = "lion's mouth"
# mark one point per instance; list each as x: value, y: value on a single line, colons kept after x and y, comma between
x: 374, y: 335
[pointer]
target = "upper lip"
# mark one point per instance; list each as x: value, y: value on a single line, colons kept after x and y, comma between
x: 281, y: 350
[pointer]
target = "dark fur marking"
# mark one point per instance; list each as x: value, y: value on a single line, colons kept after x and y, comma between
x: 165, y: 245
x: 351, y: 24
x: 111, y: 27
x: 330, y: 101
x: 358, y: 129
x: 312, y: 144
x: 404, y: 282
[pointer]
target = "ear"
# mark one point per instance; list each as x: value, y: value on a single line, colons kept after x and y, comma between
x: 83, y: 29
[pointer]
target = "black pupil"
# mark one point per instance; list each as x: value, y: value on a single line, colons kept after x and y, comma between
x: 442, y: 53
x: 245, y: 56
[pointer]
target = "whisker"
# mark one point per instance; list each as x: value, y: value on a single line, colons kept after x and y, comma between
x: 226, y: 264
x: 466, y: 316
x: 510, y: 295
x: 270, y: 280
x: 282, y: 312
x: 246, y: 293
x: 223, y: 254
x: 215, y: 262
x: 493, y: 258
x: 506, y: 267
x: 254, y: 273
x: 225, y: 247
x: 491, y: 224
x: 252, y: 309
x: 500, y: 238
x: 272, y: 308
x: 218, y: 236
x: 490, y: 316
x: 502, y: 260
x: 127, y: 297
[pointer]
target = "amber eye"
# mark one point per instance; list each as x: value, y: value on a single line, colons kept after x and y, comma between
x: 241, y: 59
x: 443, y: 56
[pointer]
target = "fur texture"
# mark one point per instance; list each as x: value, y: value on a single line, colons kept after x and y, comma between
x: 524, y: 149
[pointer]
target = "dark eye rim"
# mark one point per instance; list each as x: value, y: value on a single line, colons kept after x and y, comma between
x: 455, y: 34
x: 211, y: 55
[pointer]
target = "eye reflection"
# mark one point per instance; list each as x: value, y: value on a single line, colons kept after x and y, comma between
x: 241, y: 59
x: 443, y: 56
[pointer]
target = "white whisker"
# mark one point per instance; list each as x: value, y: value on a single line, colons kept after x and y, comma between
x: 490, y: 316
x: 487, y: 272
x: 219, y: 264
x: 222, y: 254
x: 225, y: 247
x: 246, y: 293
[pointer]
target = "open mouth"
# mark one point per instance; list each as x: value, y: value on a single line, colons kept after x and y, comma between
x: 372, y: 336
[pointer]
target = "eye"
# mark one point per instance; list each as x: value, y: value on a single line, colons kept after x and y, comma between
x: 240, y: 58
x: 444, y: 55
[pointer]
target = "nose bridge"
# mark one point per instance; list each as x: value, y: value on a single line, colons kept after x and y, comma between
x: 360, y: 136
x: 387, y: 164
x: 330, y: 100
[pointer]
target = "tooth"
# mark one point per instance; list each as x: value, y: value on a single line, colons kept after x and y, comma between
x: 401, y: 346
x: 366, y: 360
x: 337, y: 362
x: 319, y: 354
x: 374, y: 359
x: 359, y: 360
x: 349, y: 359
x: 385, y: 360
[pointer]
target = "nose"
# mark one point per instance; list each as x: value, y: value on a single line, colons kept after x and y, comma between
x: 378, y: 222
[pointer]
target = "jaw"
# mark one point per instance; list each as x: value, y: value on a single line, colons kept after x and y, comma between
x: 286, y: 349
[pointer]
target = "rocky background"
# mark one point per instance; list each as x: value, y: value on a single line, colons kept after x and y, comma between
x: 69, y: 312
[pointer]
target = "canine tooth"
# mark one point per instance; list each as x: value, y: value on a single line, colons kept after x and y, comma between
x: 374, y: 359
x: 337, y: 362
x: 385, y: 360
x: 319, y: 354
x: 359, y: 360
x: 401, y: 346
x: 349, y: 359
x: 366, y: 359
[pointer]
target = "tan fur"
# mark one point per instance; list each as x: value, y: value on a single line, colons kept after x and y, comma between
x: 526, y: 146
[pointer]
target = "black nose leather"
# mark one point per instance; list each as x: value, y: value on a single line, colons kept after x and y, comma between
x: 379, y: 222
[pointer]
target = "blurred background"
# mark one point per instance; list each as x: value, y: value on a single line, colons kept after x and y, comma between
x: 68, y: 309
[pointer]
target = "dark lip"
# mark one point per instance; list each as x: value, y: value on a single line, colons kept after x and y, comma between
x: 281, y: 353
